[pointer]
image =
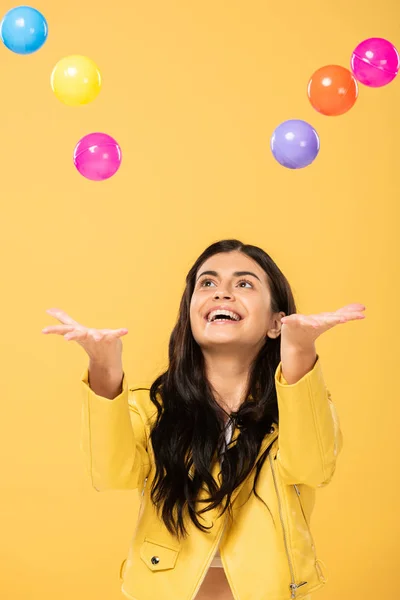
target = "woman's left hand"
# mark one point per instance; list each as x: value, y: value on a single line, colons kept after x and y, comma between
x: 301, y: 331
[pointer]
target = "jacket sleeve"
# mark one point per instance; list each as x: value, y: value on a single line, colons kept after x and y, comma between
x: 113, y: 439
x: 310, y: 438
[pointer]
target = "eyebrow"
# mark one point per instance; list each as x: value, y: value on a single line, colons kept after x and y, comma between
x: 236, y: 274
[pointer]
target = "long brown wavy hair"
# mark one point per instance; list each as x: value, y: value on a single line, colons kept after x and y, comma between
x: 186, y: 406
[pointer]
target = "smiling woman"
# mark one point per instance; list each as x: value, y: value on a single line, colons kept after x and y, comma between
x: 218, y: 401
x: 217, y: 361
x: 226, y: 453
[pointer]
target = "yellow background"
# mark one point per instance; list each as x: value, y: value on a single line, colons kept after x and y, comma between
x: 192, y: 92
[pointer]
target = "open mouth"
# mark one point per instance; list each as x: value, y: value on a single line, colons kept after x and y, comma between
x: 223, y: 316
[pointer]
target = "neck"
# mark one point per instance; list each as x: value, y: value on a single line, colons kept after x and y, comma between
x: 228, y: 376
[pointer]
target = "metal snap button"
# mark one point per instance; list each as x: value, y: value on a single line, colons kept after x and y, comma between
x: 155, y: 560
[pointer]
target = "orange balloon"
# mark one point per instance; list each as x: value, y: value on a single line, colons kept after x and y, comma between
x: 332, y: 90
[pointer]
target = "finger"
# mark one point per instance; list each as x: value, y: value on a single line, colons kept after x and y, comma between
x: 350, y: 308
x: 60, y: 329
x: 77, y: 334
x: 315, y: 320
x: 96, y: 334
x: 107, y: 334
x: 340, y: 318
x: 330, y: 318
x: 61, y: 316
x: 341, y: 312
x: 355, y: 307
x: 349, y: 315
x: 319, y: 320
x: 116, y: 332
x: 353, y: 316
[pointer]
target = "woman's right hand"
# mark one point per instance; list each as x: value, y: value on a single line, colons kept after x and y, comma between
x: 103, y: 346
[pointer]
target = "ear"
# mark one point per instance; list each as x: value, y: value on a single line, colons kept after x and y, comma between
x: 275, y: 330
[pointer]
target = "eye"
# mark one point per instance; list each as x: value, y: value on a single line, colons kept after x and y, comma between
x: 245, y: 281
x: 205, y: 281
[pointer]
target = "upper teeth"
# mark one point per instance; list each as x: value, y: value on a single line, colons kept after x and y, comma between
x: 228, y: 313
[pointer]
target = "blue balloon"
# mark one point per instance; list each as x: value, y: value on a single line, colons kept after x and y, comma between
x: 23, y: 30
x: 295, y: 144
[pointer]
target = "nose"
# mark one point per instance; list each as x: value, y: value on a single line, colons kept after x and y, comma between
x: 222, y: 294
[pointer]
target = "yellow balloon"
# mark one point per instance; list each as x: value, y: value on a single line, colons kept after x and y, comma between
x: 76, y: 80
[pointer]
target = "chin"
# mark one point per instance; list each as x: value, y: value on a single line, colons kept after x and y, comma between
x: 216, y: 341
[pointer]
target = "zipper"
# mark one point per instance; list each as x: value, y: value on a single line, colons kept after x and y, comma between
x: 293, y: 585
x: 207, y: 567
x: 305, y: 519
x: 141, y: 500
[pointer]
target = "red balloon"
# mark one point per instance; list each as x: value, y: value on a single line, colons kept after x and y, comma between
x: 332, y: 90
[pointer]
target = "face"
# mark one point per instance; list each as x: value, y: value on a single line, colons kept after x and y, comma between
x: 233, y: 282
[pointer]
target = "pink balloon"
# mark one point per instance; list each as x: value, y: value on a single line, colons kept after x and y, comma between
x: 97, y: 156
x: 375, y: 62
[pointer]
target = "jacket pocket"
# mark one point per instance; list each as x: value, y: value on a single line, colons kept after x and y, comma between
x: 319, y: 564
x: 158, y: 557
x: 296, y: 488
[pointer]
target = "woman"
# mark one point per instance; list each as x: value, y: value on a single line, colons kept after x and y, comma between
x: 229, y: 444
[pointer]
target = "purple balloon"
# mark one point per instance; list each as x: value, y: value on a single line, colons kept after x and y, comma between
x: 295, y: 144
x: 97, y: 156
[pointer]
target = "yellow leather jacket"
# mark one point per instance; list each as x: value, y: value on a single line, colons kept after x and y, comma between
x: 264, y: 559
